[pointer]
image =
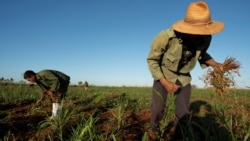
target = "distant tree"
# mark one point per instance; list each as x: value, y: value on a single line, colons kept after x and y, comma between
x: 22, y: 82
x: 194, y: 86
x: 79, y: 83
x: 2, y: 79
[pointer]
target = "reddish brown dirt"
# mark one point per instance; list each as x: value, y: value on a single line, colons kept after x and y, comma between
x: 23, y: 125
x: 17, y: 122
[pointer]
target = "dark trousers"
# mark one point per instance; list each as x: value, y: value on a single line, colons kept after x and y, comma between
x: 60, y: 94
x: 159, y: 98
x: 63, y: 88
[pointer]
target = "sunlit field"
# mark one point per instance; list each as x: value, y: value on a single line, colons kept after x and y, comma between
x: 119, y: 114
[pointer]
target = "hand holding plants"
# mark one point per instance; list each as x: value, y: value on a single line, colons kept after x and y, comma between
x: 52, y: 95
x: 169, y: 86
x: 38, y: 102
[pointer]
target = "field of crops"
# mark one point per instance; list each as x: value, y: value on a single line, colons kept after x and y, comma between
x: 119, y: 114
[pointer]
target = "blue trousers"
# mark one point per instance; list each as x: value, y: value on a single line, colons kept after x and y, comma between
x: 159, y: 98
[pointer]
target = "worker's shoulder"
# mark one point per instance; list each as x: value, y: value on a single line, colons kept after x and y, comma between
x: 45, y: 71
x: 167, y: 33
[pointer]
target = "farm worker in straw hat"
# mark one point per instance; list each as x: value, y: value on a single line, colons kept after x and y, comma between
x: 53, y: 83
x: 174, y: 53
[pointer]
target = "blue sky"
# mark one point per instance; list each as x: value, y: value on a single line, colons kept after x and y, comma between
x: 106, y: 42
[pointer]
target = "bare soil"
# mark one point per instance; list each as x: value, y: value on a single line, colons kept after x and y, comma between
x: 18, y: 123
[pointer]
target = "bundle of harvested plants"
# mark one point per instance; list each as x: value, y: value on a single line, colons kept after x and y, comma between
x: 220, y: 80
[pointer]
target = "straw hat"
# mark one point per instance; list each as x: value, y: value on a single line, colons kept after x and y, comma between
x: 198, y: 21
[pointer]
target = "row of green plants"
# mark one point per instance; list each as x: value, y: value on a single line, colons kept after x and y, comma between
x: 230, y: 113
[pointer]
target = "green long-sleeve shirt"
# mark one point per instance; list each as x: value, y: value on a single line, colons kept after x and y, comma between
x: 51, y: 79
x: 166, y: 55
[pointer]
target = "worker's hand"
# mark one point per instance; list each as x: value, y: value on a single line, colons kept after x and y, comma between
x: 219, y: 66
x: 39, y: 102
x: 44, y: 92
x: 53, y: 96
x: 169, y: 86
x: 215, y: 65
x: 50, y: 93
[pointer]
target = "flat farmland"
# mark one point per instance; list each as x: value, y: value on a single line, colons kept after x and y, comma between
x: 104, y: 113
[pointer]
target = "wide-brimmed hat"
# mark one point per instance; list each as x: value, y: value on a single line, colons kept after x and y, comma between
x: 198, y: 21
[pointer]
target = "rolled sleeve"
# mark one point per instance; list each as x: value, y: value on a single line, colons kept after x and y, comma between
x: 204, y: 55
x: 203, y: 59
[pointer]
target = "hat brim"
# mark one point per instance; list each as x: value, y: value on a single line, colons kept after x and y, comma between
x: 204, y: 29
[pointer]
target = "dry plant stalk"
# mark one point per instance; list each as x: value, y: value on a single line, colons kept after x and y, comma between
x: 219, y: 79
